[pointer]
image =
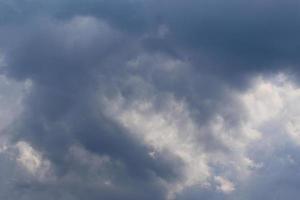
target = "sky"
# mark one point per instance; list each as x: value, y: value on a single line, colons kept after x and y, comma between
x: 149, y: 99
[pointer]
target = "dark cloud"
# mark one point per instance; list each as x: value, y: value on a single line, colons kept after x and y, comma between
x: 76, y: 54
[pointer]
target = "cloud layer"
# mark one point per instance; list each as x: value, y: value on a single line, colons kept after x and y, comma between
x: 146, y: 99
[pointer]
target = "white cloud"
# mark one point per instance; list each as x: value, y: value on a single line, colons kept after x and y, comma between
x: 224, y: 185
x: 170, y: 127
x: 275, y: 102
x: 32, y: 161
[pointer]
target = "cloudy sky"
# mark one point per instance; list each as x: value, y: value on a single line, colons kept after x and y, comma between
x: 149, y: 99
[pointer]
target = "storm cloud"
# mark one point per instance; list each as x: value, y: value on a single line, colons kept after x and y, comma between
x: 147, y: 99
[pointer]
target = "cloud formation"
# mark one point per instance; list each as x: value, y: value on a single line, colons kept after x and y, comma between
x: 146, y: 99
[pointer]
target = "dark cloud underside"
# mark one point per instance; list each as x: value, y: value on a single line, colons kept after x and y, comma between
x: 92, y: 65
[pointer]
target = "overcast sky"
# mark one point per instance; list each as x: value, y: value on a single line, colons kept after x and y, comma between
x: 149, y: 99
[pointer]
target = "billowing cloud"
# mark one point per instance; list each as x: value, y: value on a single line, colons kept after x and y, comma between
x: 146, y: 99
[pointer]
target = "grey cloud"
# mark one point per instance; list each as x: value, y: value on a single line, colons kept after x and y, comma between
x: 67, y: 69
x: 76, y: 53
